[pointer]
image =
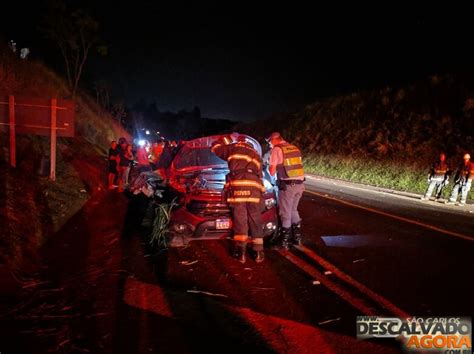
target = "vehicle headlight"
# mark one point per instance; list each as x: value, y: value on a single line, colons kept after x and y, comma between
x: 180, y: 227
x: 270, y: 203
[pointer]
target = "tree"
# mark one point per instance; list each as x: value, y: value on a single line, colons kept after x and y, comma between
x: 75, y: 32
x: 102, y: 94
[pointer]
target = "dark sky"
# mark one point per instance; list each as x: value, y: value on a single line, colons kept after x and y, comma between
x: 242, y: 62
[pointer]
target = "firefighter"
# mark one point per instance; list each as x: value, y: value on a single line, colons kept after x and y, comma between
x: 285, y: 161
x: 438, y: 178
x: 243, y: 191
x: 462, y: 181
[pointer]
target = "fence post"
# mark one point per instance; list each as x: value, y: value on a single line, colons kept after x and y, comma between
x: 52, y: 174
x: 11, y: 114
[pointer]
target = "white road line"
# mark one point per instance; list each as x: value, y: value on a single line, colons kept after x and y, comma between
x: 401, y: 218
x: 354, y: 301
x: 348, y: 279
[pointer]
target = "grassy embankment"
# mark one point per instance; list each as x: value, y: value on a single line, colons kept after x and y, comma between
x: 386, y: 138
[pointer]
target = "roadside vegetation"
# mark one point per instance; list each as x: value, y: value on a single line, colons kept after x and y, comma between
x: 32, y: 207
x: 388, y: 137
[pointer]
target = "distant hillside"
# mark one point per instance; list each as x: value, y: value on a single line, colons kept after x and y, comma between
x: 411, y: 123
x: 385, y: 137
x: 34, y: 79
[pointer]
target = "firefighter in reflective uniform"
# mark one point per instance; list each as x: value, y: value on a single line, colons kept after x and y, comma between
x: 438, y: 178
x: 243, y: 191
x: 285, y: 161
x: 462, y: 181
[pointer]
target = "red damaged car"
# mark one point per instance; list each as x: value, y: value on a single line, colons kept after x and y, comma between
x: 196, y: 179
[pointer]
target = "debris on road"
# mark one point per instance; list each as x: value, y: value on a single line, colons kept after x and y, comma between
x: 358, y: 260
x: 329, y: 321
x: 205, y: 293
x: 187, y: 263
x: 34, y: 284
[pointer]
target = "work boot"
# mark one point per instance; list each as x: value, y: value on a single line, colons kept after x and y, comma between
x: 296, y: 234
x: 285, y: 234
x: 275, y: 238
x: 239, y: 254
x: 259, y: 256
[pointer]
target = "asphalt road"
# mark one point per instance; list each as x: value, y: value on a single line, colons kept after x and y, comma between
x: 100, y: 289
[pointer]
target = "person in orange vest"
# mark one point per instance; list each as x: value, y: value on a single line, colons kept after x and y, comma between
x: 286, y: 163
x: 156, y: 152
x: 462, y: 181
x: 143, y: 161
x: 243, y: 191
x: 438, y: 178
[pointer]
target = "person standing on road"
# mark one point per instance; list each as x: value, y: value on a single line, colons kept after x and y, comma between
x: 286, y: 163
x: 438, y: 178
x: 123, y: 164
x: 243, y: 191
x: 462, y: 181
x: 129, y: 156
x: 143, y: 162
x: 112, y: 165
x: 156, y: 152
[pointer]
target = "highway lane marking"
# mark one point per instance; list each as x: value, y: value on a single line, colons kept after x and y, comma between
x: 355, y: 302
x: 348, y: 279
x: 393, y: 216
x: 393, y: 194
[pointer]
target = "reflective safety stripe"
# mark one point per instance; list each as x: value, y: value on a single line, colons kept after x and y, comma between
x: 215, y: 147
x: 295, y: 173
x: 243, y: 200
x: 293, y: 161
x: 241, y: 238
x: 292, y: 164
x: 246, y: 183
x: 227, y: 140
x: 440, y: 171
x: 288, y: 149
x: 258, y: 241
x: 244, y: 157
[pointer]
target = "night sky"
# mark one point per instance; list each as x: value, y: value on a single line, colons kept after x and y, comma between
x: 244, y: 63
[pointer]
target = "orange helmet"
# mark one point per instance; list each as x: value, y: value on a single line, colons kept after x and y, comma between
x: 467, y: 157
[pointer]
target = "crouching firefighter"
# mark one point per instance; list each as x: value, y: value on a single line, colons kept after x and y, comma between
x: 286, y: 162
x: 243, y: 191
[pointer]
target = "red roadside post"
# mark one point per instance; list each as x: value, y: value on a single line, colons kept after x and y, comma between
x: 11, y: 114
x: 52, y: 173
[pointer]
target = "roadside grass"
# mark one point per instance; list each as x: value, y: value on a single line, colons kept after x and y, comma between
x: 393, y: 174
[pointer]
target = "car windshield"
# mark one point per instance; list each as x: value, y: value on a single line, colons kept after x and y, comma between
x: 197, y: 153
x: 197, y: 157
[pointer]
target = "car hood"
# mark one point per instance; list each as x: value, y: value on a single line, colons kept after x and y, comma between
x: 199, y: 180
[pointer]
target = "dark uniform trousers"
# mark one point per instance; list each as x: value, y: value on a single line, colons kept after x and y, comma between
x: 248, y: 217
x: 243, y: 191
